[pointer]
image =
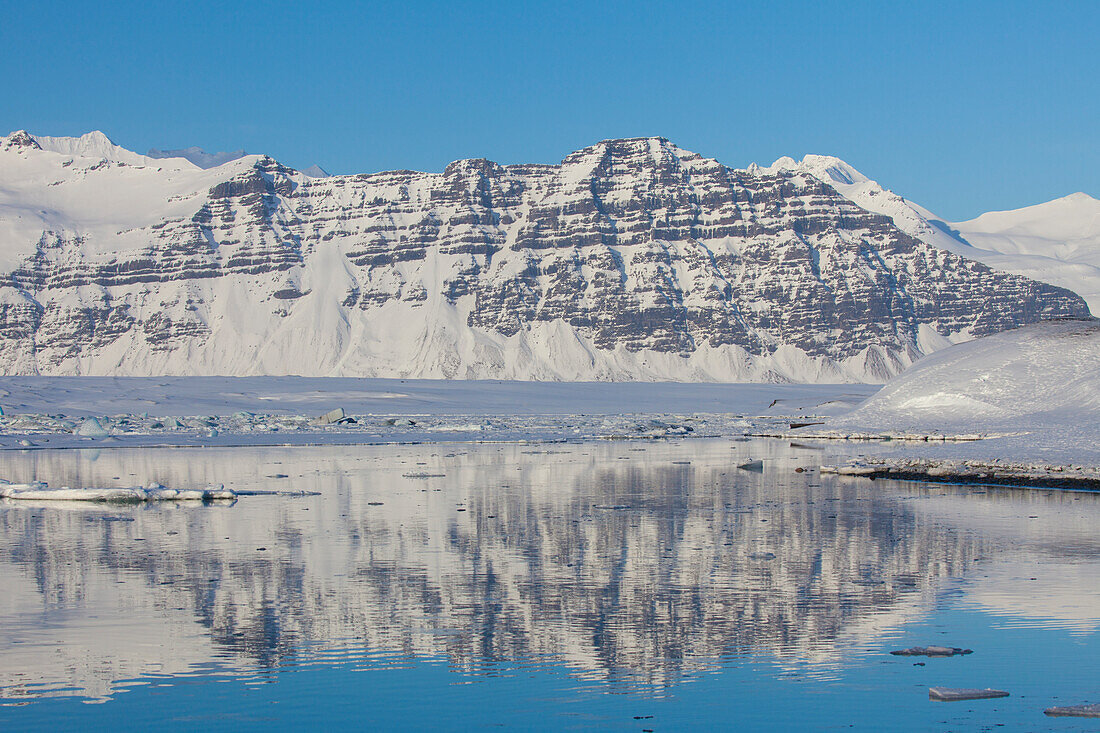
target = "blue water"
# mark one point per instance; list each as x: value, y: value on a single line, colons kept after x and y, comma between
x: 614, y: 586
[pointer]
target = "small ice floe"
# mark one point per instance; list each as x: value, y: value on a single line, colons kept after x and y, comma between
x: 951, y: 694
x: 1074, y: 711
x: 40, y: 491
x: 931, y: 651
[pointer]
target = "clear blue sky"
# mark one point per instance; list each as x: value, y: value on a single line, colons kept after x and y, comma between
x: 960, y: 106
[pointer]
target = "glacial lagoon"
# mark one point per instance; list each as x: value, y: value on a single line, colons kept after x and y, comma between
x: 626, y: 585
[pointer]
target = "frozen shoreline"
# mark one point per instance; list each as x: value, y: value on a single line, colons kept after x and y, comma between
x: 978, y: 472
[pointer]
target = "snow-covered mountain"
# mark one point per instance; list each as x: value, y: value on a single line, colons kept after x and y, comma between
x: 1057, y: 242
x: 632, y: 259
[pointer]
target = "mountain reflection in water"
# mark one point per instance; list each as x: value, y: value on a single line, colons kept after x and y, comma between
x: 634, y: 563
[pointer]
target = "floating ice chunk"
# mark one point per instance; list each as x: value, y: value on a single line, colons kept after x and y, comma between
x: 92, y: 428
x: 950, y: 694
x: 330, y: 417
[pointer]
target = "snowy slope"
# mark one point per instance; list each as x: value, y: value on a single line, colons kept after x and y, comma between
x: 1057, y: 242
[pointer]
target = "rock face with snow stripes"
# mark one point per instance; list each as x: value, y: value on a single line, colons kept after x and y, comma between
x: 632, y: 259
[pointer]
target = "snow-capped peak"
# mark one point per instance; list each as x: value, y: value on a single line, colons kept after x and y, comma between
x: 90, y: 145
x: 827, y: 168
x: 19, y: 139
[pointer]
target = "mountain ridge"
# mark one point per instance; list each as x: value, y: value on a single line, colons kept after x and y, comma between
x: 632, y: 259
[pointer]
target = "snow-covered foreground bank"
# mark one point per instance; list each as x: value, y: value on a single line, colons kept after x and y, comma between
x: 48, y: 412
x: 39, y: 491
x: 1016, y: 405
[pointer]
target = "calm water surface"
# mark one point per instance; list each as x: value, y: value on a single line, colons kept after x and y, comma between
x: 625, y: 586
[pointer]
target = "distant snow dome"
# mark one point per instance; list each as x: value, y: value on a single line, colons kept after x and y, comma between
x: 1057, y: 242
x: 198, y: 156
x: 315, y: 171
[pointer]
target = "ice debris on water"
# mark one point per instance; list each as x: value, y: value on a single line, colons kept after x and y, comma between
x: 662, y: 428
x: 951, y: 694
x: 931, y: 651
x: 40, y: 491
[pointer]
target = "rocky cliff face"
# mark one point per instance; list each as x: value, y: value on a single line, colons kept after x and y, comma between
x: 632, y: 259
